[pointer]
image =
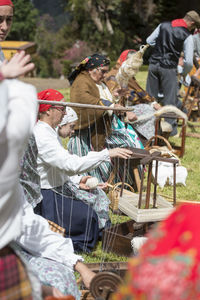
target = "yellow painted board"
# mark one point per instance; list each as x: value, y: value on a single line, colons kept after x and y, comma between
x: 11, y: 47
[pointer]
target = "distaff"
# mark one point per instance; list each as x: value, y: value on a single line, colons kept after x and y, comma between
x: 80, y: 105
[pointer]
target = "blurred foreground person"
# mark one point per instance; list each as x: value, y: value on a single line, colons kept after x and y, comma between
x: 17, y: 118
x: 168, y: 265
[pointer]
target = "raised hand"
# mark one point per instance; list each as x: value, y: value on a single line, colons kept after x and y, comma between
x: 18, y: 65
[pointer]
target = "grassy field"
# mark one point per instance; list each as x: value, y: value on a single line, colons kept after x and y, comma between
x: 191, y: 161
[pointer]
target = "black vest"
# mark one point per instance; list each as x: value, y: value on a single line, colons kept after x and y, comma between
x: 169, y: 45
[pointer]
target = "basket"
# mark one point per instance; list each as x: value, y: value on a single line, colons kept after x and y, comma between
x: 166, y: 151
x: 114, y: 194
x: 56, y: 228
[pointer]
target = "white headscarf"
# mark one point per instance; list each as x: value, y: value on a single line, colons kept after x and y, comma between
x: 71, y: 116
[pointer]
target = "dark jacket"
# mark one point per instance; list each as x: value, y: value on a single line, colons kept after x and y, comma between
x: 169, y: 45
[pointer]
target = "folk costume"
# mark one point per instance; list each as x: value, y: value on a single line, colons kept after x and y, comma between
x: 50, y: 255
x: 136, y: 97
x: 168, y: 264
x: 18, y: 116
x: 63, y: 202
x: 96, y: 129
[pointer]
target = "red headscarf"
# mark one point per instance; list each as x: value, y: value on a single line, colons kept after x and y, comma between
x: 6, y: 2
x: 51, y: 95
x: 124, y: 55
x: 168, y: 266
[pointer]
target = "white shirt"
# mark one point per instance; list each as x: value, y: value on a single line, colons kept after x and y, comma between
x: 55, y: 164
x: 20, y: 119
x: 37, y: 238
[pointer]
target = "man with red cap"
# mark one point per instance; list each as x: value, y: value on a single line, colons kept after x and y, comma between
x: 60, y: 182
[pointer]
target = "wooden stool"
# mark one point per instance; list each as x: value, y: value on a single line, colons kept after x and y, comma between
x: 179, y: 149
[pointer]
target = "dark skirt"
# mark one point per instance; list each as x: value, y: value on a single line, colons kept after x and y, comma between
x: 79, y: 219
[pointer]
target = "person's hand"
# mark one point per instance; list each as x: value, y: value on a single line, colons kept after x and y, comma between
x: 157, y: 106
x: 85, y: 273
x: 119, y: 92
x: 120, y: 112
x: 181, y: 61
x: 131, y: 116
x: 18, y: 65
x: 103, y: 185
x: 82, y: 184
x: 120, y: 152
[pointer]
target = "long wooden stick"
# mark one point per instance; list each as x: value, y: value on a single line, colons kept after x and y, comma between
x: 79, y: 105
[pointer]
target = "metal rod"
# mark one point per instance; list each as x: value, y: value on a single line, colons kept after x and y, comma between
x: 79, y: 105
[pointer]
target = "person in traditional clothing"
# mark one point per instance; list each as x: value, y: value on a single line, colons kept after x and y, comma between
x: 168, y: 264
x: 67, y: 126
x: 135, y: 97
x: 17, y: 118
x: 60, y: 179
x: 50, y: 255
x: 97, y: 129
x: 96, y: 197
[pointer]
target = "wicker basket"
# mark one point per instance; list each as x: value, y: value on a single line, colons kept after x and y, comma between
x: 114, y: 194
x: 56, y: 228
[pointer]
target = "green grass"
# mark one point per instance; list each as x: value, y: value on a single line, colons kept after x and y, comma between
x: 191, y: 161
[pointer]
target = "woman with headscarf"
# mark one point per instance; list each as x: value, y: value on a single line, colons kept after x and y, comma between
x: 168, y: 265
x: 97, y: 129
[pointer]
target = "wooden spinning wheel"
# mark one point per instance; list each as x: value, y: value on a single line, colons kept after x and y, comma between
x: 104, y: 284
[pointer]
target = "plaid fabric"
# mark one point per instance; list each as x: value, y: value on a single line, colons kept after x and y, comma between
x: 14, y: 282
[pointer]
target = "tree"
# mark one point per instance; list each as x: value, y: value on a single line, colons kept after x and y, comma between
x: 25, y: 18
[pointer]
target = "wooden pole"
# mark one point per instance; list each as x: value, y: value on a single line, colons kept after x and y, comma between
x: 79, y: 105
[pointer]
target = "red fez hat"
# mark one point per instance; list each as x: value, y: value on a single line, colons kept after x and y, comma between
x: 6, y: 2
x: 51, y: 95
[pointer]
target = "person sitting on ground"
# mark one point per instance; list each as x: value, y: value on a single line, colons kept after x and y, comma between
x: 135, y: 97
x: 97, y: 129
x: 60, y: 178
x: 50, y: 255
x: 169, y: 258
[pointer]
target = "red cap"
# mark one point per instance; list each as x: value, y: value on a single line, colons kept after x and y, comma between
x: 124, y: 55
x: 51, y: 95
x: 6, y: 2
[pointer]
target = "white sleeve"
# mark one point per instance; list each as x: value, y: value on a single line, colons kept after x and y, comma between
x: 151, y: 40
x: 53, y: 154
x: 188, y: 49
x: 37, y: 238
x: 22, y: 101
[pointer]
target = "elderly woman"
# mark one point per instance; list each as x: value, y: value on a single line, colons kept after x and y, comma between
x: 97, y: 129
x: 96, y: 198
